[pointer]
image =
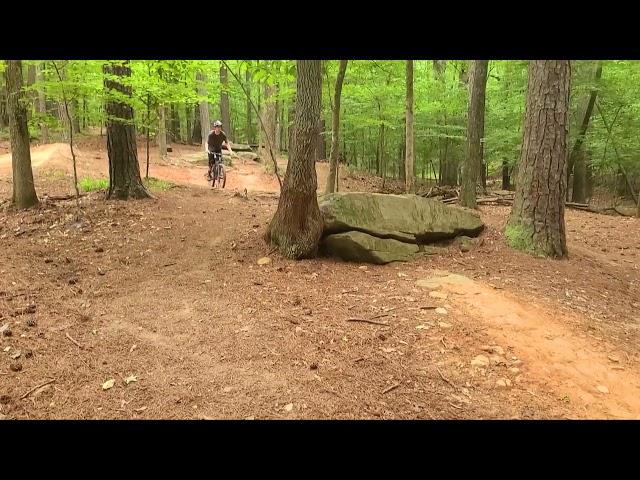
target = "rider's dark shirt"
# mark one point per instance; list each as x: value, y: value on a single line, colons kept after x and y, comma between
x: 214, y: 142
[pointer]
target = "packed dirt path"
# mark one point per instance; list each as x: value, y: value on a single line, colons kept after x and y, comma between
x: 169, y: 291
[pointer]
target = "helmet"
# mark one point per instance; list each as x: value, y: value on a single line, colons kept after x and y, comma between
x: 217, y: 123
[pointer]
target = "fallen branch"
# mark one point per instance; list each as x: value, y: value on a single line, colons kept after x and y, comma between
x: 169, y: 264
x: 25, y: 310
x: 35, y: 388
x: 364, y: 320
x: 58, y: 198
x: 380, y: 316
x: 392, y: 387
x: 72, y: 339
x: 445, y: 378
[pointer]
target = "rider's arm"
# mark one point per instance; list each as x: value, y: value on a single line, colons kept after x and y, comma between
x: 228, y: 144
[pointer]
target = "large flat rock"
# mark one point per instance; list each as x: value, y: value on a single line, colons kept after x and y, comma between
x: 361, y: 247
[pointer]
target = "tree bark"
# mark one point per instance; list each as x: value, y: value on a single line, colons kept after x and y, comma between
x: 124, y: 169
x: 42, y: 106
x: 24, y: 191
x: 410, y: 176
x: 4, y: 118
x: 205, y: 123
x: 335, y: 130
x: 296, y: 227
x: 225, y: 112
x: 579, y: 194
x: 537, y: 222
x: 75, y: 115
x: 475, y: 133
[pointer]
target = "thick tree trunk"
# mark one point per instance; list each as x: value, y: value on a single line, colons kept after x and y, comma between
x: 410, y: 180
x: 24, y: 191
x: 188, y: 113
x: 175, y: 124
x: 537, y: 222
x: 475, y: 133
x: 205, y: 123
x: 225, y: 112
x: 296, y: 227
x: 42, y: 106
x: 124, y: 170
x: 162, y: 131
x: 335, y: 130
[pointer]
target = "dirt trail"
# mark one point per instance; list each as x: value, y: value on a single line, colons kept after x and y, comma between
x: 572, y: 366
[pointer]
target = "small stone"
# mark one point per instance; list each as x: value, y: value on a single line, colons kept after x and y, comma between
x: 613, y: 358
x: 15, y: 355
x: 48, y: 260
x: 429, y: 284
x: 516, y: 362
x: 444, y: 325
x: 382, y: 336
x: 15, y: 367
x: 503, y: 382
x: 313, y: 366
x: 436, y: 294
x: 441, y: 311
x: 6, y: 330
x: 288, y: 407
x: 264, y: 261
x: 602, y: 389
x: 464, y: 247
x: 514, y: 370
x: 73, y: 280
x: 6, y: 349
x: 99, y: 250
x: 497, y: 360
x: 307, y: 311
x: 480, y: 361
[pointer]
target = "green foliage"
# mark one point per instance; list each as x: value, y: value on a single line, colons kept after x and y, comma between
x: 156, y: 184
x: 93, y: 184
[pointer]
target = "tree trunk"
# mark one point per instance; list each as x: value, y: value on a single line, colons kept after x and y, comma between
x: 24, y: 191
x: 205, y: 123
x: 335, y: 130
x: 580, y: 178
x: 321, y: 150
x: 188, y: 113
x: 249, y: 127
x: 124, y: 170
x: 584, y: 124
x: 296, y: 227
x: 269, y: 119
x: 506, y: 178
x: 225, y: 112
x: 475, y: 133
x: 409, y: 164
x: 537, y: 222
x: 196, y: 135
x: 162, y: 131
x: 175, y: 124
x: 75, y: 116
x: 42, y: 106
x: 4, y: 118
x: 31, y: 80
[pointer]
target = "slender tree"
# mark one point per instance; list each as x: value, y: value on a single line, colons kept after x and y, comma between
x: 332, y: 179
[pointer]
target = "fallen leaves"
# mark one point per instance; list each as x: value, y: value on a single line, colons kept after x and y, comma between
x: 108, y: 384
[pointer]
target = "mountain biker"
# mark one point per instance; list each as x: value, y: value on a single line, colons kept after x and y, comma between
x: 215, y: 141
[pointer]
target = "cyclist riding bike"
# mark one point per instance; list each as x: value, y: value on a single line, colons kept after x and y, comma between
x: 216, y: 140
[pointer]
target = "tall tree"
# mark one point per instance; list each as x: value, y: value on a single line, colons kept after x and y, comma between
x: 225, y: 111
x: 537, y: 223
x: 577, y: 156
x: 269, y: 118
x: 42, y: 105
x: 296, y: 226
x: 205, y: 123
x: 475, y: 133
x: 409, y: 164
x: 162, y: 130
x: 24, y: 191
x: 335, y: 130
x: 249, y: 125
x: 124, y: 170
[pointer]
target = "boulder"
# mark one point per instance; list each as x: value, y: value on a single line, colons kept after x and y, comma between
x: 361, y: 247
x: 406, y: 218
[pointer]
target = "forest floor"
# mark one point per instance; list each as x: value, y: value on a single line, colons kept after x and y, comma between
x: 165, y: 298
